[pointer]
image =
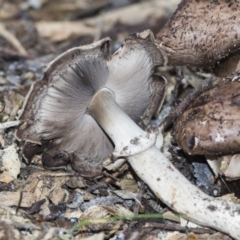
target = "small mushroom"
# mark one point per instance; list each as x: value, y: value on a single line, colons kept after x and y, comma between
x: 201, y: 33
x: 210, y: 126
x: 56, y: 109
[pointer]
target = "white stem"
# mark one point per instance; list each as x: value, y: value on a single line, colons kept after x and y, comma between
x: 177, y: 192
x: 161, y: 176
x: 126, y: 135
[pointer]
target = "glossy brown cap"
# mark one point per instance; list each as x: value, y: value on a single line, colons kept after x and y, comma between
x: 210, y: 125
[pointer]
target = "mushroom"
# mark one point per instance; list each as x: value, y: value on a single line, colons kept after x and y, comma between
x: 201, y: 33
x: 56, y: 110
x: 205, y: 34
x: 158, y: 172
x: 210, y: 126
x: 105, y: 105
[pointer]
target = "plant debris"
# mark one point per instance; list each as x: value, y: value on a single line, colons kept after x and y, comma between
x: 37, y: 203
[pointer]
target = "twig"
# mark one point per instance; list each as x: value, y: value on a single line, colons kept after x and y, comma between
x: 9, y: 124
x: 10, y: 54
x: 12, y: 40
x: 108, y: 180
x: 138, y: 201
x: 20, y: 198
x: 177, y: 227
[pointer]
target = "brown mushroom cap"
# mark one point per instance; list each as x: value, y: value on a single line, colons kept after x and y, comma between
x: 56, y: 108
x: 210, y: 125
x: 200, y: 33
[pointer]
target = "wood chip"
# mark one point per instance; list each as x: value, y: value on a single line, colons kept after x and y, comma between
x: 10, y: 164
x: 12, y: 199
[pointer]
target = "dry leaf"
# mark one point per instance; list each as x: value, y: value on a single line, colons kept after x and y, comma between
x: 128, y: 184
x: 154, y: 10
x: 12, y: 199
x: 86, y: 195
x: 48, y: 185
x: 120, y: 210
x: 99, y: 212
x: 124, y: 194
x: 8, y: 11
x: 99, y: 236
x: 9, y: 215
x: 113, y: 166
x: 76, y: 182
x: 9, y: 164
x: 76, y: 213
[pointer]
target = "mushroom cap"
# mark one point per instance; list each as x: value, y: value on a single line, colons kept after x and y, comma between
x: 55, y: 111
x: 210, y: 124
x: 200, y: 33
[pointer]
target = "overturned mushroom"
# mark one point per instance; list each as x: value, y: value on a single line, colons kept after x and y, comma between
x: 201, y: 33
x: 56, y: 113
